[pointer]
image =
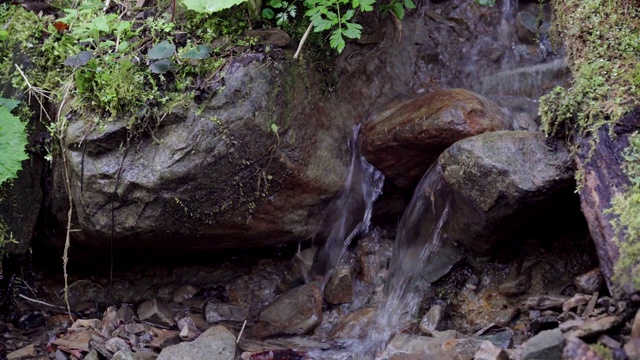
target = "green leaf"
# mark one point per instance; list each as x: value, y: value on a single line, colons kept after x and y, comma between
x: 210, y: 6
x: 162, y: 66
x: 267, y: 14
x: 10, y: 104
x: 409, y: 4
x: 274, y: 128
x: 352, y: 30
x: 200, y: 52
x: 123, y: 26
x: 398, y: 10
x: 336, y: 41
x: 275, y: 4
x: 366, y: 5
x: 101, y: 23
x: 123, y: 46
x: 348, y: 15
x: 80, y: 59
x: 320, y: 24
x: 162, y: 50
x: 13, y: 140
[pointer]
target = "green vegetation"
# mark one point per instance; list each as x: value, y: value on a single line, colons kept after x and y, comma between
x: 602, y: 38
x: 13, y: 140
x: 603, y: 49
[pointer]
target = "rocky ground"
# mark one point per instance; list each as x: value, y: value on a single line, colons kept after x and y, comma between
x: 545, y: 302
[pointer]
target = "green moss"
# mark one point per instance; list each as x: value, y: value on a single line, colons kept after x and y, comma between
x: 626, y: 219
x: 603, y: 351
x: 602, y: 38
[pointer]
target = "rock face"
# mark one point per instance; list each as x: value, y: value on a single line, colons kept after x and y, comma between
x: 295, y: 312
x: 498, y: 179
x: 603, y: 179
x: 418, y: 130
x: 215, y: 343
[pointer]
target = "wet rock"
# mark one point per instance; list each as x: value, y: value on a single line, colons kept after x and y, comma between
x: 527, y: 27
x: 578, y: 349
x: 462, y: 348
x: 298, y: 271
x: 356, y: 325
x: 295, y: 312
x: 501, y: 337
x: 632, y: 349
x: 277, y: 37
x: 433, y: 319
x: 156, y: 313
x: 529, y: 81
x: 25, y: 352
x: 590, y: 282
x: 488, y: 351
x: 517, y: 286
x: 496, y: 181
x: 407, y: 136
x: 339, y: 288
x: 215, y: 343
x: 544, y: 302
x: 404, y: 346
x: 547, y: 345
x: 593, y: 328
x: 183, y: 293
x: 218, y: 312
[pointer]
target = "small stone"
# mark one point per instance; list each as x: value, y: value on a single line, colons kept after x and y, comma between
x: 92, y: 355
x: 164, y: 338
x: 593, y: 328
x: 216, y: 343
x: 217, y: 312
x: 183, y: 293
x: 59, y: 355
x: 517, y: 286
x: 116, y: 344
x: 635, y: 327
x: 632, y: 349
x: 135, y: 328
x: 339, y: 288
x: 196, y: 303
x: 295, y: 312
x: 82, y: 324
x: 433, y: 319
x: 575, y: 301
x: 123, y: 355
x: 545, y: 302
x: 78, y: 340
x: 590, y: 282
x: 547, y: 345
x: 610, y: 342
x: 356, y: 325
x: 571, y: 324
x: 125, y: 313
x: 488, y: 351
x: 27, y: 351
x: 156, y: 313
x: 200, y: 322
x: 188, y: 329
x: 542, y: 323
x: 110, y: 322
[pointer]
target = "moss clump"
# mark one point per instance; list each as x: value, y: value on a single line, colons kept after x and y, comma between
x: 625, y: 209
x: 603, y: 49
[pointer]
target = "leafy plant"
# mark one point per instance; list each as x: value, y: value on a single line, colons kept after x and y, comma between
x: 13, y: 140
x: 210, y: 6
x: 397, y: 7
x: 328, y: 15
x: 286, y: 11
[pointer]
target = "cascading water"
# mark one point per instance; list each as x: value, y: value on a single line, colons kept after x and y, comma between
x: 349, y: 213
x: 420, y: 233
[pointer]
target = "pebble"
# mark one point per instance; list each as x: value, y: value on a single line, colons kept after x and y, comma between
x: 488, y: 351
x: 433, y: 319
x: 155, y: 313
x: 547, y: 345
x: 590, y: 282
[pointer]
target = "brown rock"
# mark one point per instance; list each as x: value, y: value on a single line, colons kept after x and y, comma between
x: 488, y: 351
x: 356, y: 325
x: 156, y: 313
x: 632, y: 349
x: 594, y: 328
x: 27, y: 351
x: 575, y: 301
x: 590, y: 282
x: 407, y: 136
x: 164, y: 338
x: 339, y: 288
x: 295, y: 312
x: 78, y: 340
x: 275, y: 37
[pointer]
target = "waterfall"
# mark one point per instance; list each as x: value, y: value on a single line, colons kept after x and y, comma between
x: 349, y: 213
x: 420, y: 234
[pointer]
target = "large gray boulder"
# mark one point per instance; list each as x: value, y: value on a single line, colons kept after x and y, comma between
x: 215, y: 343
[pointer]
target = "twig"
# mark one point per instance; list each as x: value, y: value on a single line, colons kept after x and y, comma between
x: 304, y: 38
x: 241, y: 330
x: 42, y: 302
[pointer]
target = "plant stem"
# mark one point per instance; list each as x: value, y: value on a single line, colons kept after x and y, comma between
x: 304, y: 38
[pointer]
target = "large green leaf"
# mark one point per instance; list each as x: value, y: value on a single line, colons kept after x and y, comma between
x: 210, y: 6
x: 13, y: 140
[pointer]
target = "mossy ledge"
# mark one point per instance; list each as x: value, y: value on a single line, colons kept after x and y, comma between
x: 603, y: 49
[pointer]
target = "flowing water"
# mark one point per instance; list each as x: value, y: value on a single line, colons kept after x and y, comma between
x: 349, y: 213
